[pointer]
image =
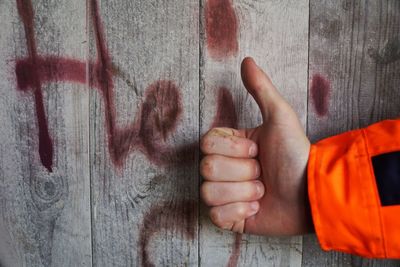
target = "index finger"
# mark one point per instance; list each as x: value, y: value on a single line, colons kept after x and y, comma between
x: 228, y: 142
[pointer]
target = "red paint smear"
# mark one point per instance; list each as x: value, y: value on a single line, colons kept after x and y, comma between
x: 221, y: 28
x: 25, y: 11
x: 233, y: 259
x: 157, y: 119
x: 159, y: 113
x: 177, y: 218
x: 320, y: 89
x: 226, y: 113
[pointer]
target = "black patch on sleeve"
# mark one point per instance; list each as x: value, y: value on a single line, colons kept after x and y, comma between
x: 387, y: 174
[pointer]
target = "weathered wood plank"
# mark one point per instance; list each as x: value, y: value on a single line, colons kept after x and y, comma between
x: 354, y: 60
x: 275, y: 33
x: 144, y: 132
x: 44, y: 172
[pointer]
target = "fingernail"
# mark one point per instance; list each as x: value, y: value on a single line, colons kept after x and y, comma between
x: 260, y: 188
x: 257, y: 171
x: 254, y: 206
x: 253, y: 150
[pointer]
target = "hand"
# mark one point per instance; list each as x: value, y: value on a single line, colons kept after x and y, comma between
x: 255, y: 179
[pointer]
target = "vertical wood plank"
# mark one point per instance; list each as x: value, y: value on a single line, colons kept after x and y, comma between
x: 354, y: 73
x: 275, y: 33
x: 144, y: 132
x: 44, y: 172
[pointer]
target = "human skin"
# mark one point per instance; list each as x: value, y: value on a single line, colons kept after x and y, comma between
x: 255, y: 178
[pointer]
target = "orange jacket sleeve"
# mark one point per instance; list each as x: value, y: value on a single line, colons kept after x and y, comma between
x: 354, y: 191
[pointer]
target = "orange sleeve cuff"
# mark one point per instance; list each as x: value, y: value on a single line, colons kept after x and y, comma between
x: 343, y: 194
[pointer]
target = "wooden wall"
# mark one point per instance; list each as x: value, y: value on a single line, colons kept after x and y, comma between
x: 103, y: 104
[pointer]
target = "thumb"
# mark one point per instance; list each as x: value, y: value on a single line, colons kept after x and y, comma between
x: 259, y: 85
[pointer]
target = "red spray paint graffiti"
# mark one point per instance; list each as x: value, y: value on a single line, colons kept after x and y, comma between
x: 158, y: 116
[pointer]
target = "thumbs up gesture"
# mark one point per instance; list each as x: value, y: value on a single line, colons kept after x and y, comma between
x: 255, y: 179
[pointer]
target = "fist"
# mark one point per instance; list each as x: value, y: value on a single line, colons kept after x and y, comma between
x: 255, y: 179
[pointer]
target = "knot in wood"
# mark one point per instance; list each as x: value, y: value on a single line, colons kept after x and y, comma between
x: 46, y: 191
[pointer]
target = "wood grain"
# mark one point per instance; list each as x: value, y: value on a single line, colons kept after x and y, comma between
x: 275, y: 33
x: 353, y: 47
x: 45, y: 210
x: 129, y: 86
x: 145, y: 207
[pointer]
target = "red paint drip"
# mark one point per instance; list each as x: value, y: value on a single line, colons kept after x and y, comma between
x: 221, y: 29
x: 233, y: 259
x: 320, y: 89
x: 179, y: 218
x: 26, y: 13
x: 226, y: 113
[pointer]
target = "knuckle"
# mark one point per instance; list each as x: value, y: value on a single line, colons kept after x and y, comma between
x: 241, y: 211
x: 218, y: 131
x: 214, y: 131
x: 215, y: 217
x: 235, y: 145
x: 206, y: 193
x: 254, y: 168
x: 207, y: 143
x: 253, y: 191
x: 206, y: 166
x: 259, y: 189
